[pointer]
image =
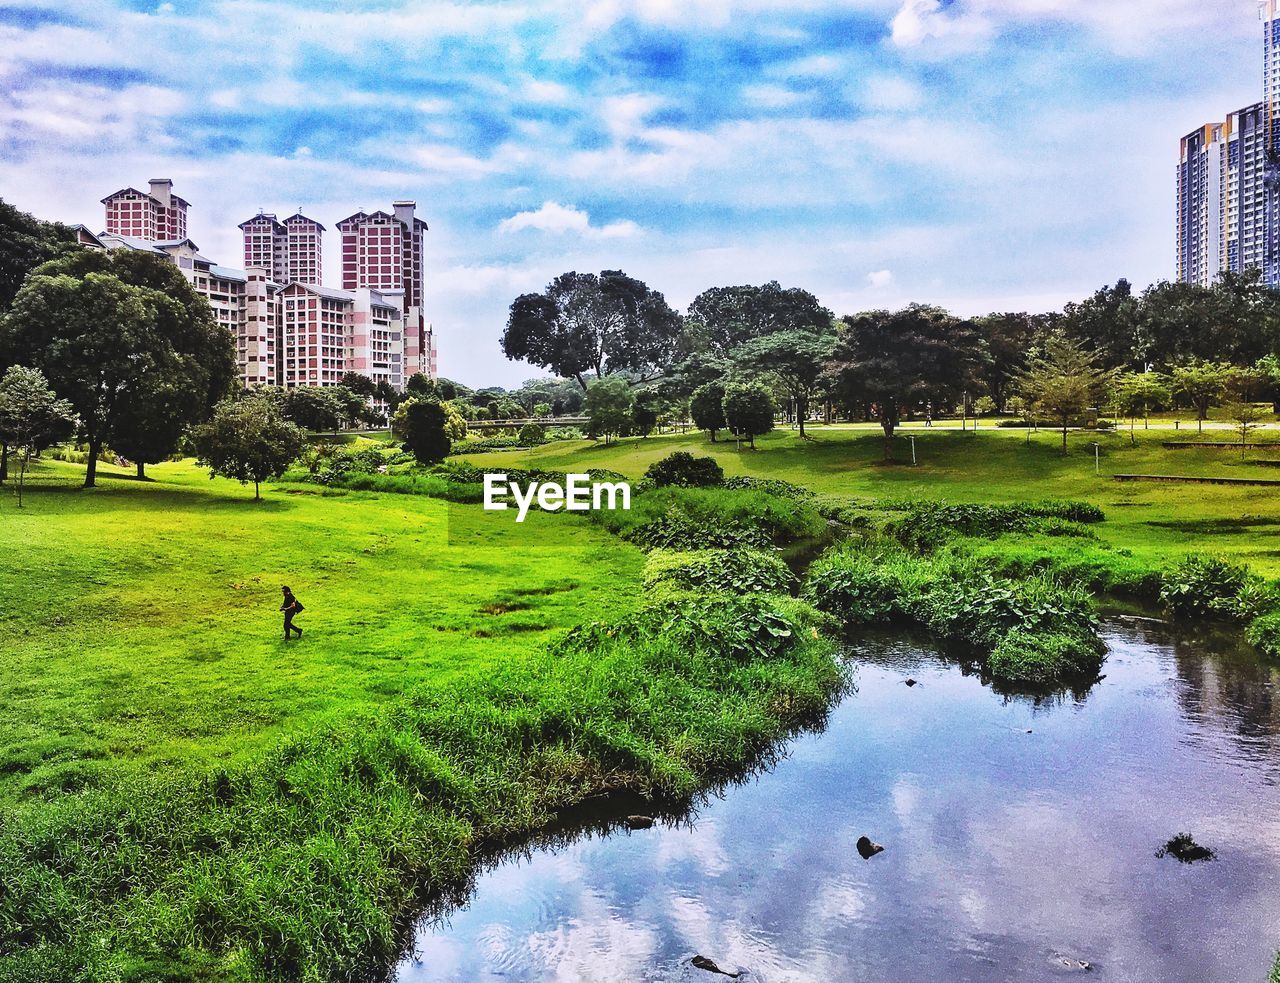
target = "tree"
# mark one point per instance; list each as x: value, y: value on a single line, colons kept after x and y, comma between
x: 420, y: 385
x: 748, y: 410
x: 248, y: 440
x: 1136, y: 392
x: 25, y: 243
x: 896, y: 360
x: 706, y: 407
x: 31, y: 417
x: 1008, y: 338
x: 796, y: 358
x: 127, y: 340
x: 644, y: 414
x: 1107, y: 324
x: 314, y: 408
x: 1063, y: 381
x: 608, y: 405
x: 1202, y: 382
x: 725, y: 317
x: 599, y: 324
x: 422, y: 425
x: 1245, y: 417
x: 359, y: 384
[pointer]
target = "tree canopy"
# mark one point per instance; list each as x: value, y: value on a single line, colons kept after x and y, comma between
x: 128, y: 341
x: 587, y: 324
x: 897, y: 360
x: 248, y: 440
x: 726, y: 317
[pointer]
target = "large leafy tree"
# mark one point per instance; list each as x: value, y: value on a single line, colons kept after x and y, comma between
x: 748, y: 410
x: 587, y: 324
x: 796, y: 358
x: 609, y: 404
x: 31, y: 417
x: 128, y: 341
x: 1008, y: 338
x: 723, y: 318
x: 1108, y: 325
x: 25, y: 243
x: 1063, y: 381
x: 706, y: 407
x: 1202, y: 383
x: 897, y: 359
x: 248, y: 440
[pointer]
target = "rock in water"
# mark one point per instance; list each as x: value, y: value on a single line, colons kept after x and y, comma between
x: 912, y: 682
x: 639, y: 822
x: 1185, y: 849
x: 868, y: 849
x: 702, y: 962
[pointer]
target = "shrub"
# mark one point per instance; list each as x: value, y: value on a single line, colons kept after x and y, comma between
x: 1205, y: 587
x: 676, y: 529
x: 531, y: 435
x: 854, y: 586
x: 1264, y: 633
x: 772, y: 486
x: 1042, y: 658
x: 739, y: 572
x: 683, y: 470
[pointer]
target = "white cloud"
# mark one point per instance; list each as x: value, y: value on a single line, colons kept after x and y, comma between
x: 558, y: 219
x: 926, y: 20
x: 880, y: 279
x: 888, y: 93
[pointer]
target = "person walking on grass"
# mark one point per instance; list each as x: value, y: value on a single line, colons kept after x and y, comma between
x: 290, y: 607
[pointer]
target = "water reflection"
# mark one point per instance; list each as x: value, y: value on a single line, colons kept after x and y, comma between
x: 1020, y: 834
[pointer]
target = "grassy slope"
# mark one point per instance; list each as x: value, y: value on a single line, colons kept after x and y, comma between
x: 1157, y: 522
x: 139, y: 620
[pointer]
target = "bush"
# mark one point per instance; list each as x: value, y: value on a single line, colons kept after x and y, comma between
x: 959, y: 602
x: 1264, y: 633
x: 678, y: 530
x: 531, y: 435
x: 740, y: 572
x: 771, y: 486
x: 926, y: 526
x: 1208, y: 587
x: 683, y: 470
x: 1027, y: 657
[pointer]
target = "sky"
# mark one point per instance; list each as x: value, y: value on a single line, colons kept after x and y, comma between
x: 979, y: 154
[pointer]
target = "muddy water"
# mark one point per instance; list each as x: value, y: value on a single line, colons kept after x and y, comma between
x: 1020, y: 841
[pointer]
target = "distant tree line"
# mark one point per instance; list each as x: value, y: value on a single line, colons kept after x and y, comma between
x: 1127, y: 353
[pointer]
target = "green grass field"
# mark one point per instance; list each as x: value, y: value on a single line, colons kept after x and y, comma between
x: 1156, y: 522
x: 140, y: 622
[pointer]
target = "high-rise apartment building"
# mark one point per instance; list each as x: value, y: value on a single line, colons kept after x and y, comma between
x: 1221, y: 202
x: 326, y: 333
x: 1228, y: 205
x: 291, y: 249
x: 156, y: 216
x: 289, y: 329
x: 383, y: 251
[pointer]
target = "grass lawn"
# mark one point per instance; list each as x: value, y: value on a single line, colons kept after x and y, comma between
x: 139, y: 623
x: 1157, y: 522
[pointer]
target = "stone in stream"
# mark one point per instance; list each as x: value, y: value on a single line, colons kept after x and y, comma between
x: 702, y: 962
x: 1185, y: 850
x: 639, y: 822
x: 867, y: 849
x: 912, y: 682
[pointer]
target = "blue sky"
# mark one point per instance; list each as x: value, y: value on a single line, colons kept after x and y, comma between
x: 980, y: 154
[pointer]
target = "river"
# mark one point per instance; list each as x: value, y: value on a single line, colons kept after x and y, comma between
x: 1020, y: 841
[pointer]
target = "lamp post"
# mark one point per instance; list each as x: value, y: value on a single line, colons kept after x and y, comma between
x: 1096, y: 450
x: 912, y: 438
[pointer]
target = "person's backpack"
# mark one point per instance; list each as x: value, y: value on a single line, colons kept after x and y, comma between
x: 297, y: 606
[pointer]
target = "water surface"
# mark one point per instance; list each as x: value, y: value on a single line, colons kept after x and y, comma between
x: 1020, y: 841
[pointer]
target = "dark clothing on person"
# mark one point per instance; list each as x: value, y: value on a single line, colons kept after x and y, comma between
x: 290, y: 607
